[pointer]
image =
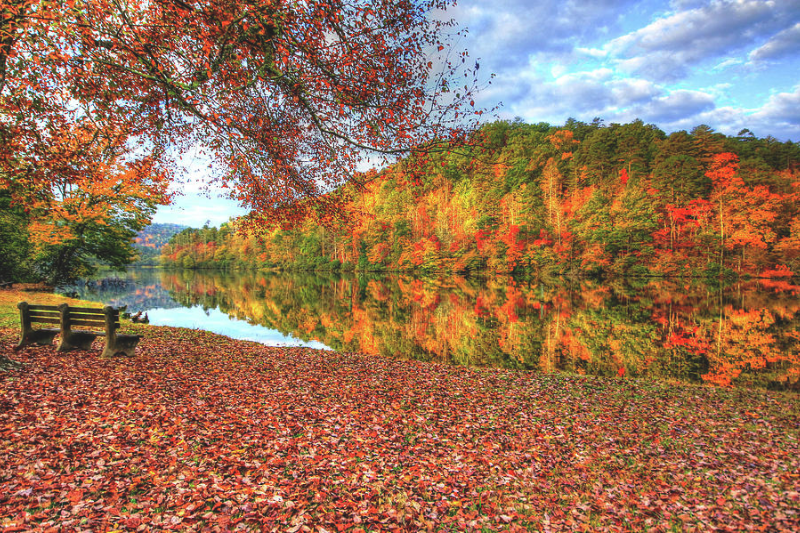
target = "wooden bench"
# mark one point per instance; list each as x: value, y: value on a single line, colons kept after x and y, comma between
x: 6, y: 284
x: 67, y: 318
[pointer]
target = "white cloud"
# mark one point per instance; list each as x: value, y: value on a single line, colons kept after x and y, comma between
x: 785, y: 43
x: 782, y: 108
x: 597, y: 53
x: 507, y: 33
x: 728, y: 62
x: 631, y: 91
x: 682, y: 5
x: 558, y: 70
x: 596, y: 76
x: 675, y: 106
x: 585, y: 94
x: 666, y: 49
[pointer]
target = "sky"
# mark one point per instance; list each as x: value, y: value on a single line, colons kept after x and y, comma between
x: 729, y: 64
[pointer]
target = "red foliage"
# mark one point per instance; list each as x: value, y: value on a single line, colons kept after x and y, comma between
x: 201, y: 432
x: 482, y: 237
x: 780, y: 271
x: 287, y: 97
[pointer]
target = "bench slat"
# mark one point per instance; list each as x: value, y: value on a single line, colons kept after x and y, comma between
x: 43, y: 320
x: 43, y: 308
x: 93, y: 310
x: 89, y: 316
x: 98, y: 323
x: 47, y: 314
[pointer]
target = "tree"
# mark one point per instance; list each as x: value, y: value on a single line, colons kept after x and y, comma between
x: 708, y: 142
x: 745, y: 214
x: 85, y: 194
x: 636, y: 144
x: 596, y: 157
x: 677, y: 172
x: 286, y: 96
x: 633, y: 222
x: 553, y: 159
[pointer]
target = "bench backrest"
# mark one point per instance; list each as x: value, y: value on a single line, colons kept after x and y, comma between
x: 43, y: 314
x: 88, y: 316
x: 70, y: 317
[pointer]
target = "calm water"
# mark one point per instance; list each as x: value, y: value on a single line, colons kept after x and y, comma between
x: 745, y: 334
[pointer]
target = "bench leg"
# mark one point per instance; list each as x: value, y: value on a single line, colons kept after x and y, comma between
x: 122, y: 344
x: 38, y: 337
x: 81, y: 340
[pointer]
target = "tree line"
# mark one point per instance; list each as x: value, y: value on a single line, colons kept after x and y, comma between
x: 582, y: 198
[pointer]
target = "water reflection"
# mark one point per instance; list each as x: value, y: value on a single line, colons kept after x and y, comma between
x: 216, y: 321
x: 142, y: 290
x: 745, y: 334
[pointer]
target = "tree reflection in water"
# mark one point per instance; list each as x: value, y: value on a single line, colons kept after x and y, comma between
x: 744, y: 334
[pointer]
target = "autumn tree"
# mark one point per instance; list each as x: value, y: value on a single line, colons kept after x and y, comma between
x: 84, y: 193
x: 553, y: 159
x: 523, y: 201
x: 287, y: 97
x: 744, y: 214
x: 789, y: 244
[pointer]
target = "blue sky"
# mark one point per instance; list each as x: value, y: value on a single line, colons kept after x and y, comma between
x: 677, y: 64
x: 730, y: 64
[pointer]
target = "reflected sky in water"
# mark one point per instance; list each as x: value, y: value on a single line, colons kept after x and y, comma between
x: 216, y: 321
x: 141, y: 291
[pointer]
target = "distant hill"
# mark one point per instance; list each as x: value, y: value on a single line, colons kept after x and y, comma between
x: 151, y: 239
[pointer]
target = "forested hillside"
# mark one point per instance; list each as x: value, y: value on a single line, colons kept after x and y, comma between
x: 149, y: 241
x: 580, y: 198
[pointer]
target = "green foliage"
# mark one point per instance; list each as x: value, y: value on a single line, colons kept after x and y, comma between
x: 91, y: 245
x: 94, y: 245
x: 14, y: 247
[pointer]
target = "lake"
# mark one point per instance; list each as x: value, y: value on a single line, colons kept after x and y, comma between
x: 744, y: 334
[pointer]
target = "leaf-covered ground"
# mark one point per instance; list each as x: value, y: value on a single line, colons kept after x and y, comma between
x: 200, y: 432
